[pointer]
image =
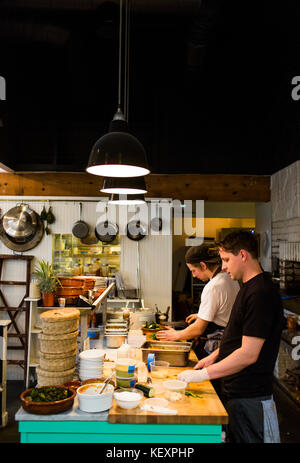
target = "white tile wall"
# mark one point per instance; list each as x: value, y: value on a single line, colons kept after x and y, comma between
x: 285, y: 199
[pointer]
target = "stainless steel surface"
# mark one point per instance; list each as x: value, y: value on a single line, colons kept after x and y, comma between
x: 20, y: 221
x: 176, y: 353
x: 114, y: 340
x: 116, y: 331
x: 116, y: 326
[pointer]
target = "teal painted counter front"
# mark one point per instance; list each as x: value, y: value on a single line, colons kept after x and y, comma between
x: 104, y: 432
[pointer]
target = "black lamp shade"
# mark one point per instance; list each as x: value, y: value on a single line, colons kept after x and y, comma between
x: 118, y: 154
x: 124, y: 185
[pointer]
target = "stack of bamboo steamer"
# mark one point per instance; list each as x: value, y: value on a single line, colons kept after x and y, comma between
x: 58, y: 346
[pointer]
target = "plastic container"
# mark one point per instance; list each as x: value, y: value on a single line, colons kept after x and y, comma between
x: 89, y: 399
x: 126, y: 382
x: 129, y: 398
x: 175, y: 389
x: 123, y: 351
x: 159, y: 369
x: 125, y: 366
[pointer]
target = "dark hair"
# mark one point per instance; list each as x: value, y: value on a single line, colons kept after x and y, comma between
x: 238, y: 240
x: 208, y: 254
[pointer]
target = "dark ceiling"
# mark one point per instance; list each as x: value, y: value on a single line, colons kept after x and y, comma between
x: 210, y: 83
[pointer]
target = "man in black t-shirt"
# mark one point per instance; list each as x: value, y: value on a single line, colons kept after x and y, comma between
x: 249, y: 347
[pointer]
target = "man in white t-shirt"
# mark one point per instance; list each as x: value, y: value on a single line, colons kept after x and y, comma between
x: 217, y: 299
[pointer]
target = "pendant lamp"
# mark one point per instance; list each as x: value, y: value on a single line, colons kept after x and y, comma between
x: 118, y: 153
x: 124, y: 200
x: 124, y: 186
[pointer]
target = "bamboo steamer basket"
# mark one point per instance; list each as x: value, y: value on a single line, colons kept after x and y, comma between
x: 60, y: 321
x: 50, y: 343
x: 54, y: 378
x: 58, y: 362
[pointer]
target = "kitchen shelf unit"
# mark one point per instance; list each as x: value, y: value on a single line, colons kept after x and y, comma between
x: 70, y: 256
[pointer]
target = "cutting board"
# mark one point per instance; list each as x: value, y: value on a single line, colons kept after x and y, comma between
x: 190, y: 410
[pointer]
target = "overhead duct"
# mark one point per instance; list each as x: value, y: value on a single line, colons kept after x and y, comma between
x: 188, y: 7
x: 202, y: 29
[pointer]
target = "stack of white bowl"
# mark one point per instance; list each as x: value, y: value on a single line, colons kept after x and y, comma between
x: 91, y: 364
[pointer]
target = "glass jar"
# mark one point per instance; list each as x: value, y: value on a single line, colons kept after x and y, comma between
x: 104, y: 270
x: 34, y: 290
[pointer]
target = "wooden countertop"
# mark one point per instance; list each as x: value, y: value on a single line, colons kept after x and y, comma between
x: 190, y: 410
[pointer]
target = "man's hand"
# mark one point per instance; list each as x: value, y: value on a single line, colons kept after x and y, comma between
x: 193, y: 376
x: 191, y: 318
x: 206, y: 361
x: 167, y: 335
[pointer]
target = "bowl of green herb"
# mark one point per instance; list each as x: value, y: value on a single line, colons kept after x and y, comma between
x: 47, y: 400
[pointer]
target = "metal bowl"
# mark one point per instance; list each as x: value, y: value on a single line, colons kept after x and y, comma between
x: 20, y: 222
x: 114, y: 340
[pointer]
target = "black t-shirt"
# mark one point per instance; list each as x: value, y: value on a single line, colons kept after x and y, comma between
x: 257, y: 312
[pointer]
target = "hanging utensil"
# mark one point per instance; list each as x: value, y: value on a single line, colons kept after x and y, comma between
x: 136, y: 230
x: 80, y: 228
x: 156, y: 223
x: 105, y: 384
x: 20, y: 222
x: 23, y: 243
x: 106, y: 231
x: 139, y: 273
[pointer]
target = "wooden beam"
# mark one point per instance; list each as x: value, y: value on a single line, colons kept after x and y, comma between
x: 253, y: 188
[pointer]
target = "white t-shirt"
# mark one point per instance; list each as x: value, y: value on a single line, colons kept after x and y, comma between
x: 217, y: 299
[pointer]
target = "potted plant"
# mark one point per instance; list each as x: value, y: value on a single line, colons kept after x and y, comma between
x: 47, y: 282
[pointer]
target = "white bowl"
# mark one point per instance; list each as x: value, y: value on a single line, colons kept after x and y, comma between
x: 89, y: 400
x: 128, y: 398
x: 96, y: 368
x: 92, y: 354
x: 90, y: 370
x: 91, y: 363
x: 84, y: 376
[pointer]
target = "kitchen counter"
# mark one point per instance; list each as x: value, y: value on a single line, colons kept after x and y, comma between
x: 198, y: 420
x: 291, y: 303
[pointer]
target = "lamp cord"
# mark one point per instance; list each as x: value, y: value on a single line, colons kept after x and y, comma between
x: 120, y: 54
x: 127, y: 50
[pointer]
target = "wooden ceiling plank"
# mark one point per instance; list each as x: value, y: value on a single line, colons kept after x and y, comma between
x: 254, y: 188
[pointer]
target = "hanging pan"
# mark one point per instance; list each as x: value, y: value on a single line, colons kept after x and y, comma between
x: 22, y: 243
x: 80, y: 228
x: 20, y: 222
x: 156, y: 223
x: 136, y: 230
x: 106, y: 231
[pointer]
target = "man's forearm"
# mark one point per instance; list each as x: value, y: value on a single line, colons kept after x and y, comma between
x: 192, y: 331
x: 235, y: 362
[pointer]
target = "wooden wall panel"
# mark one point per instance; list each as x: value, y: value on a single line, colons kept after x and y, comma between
x: 254, y: 188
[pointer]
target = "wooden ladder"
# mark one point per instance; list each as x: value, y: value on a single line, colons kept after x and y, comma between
x: 13, y: 312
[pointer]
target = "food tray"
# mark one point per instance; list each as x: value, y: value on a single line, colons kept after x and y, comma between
x: 176, y: 353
